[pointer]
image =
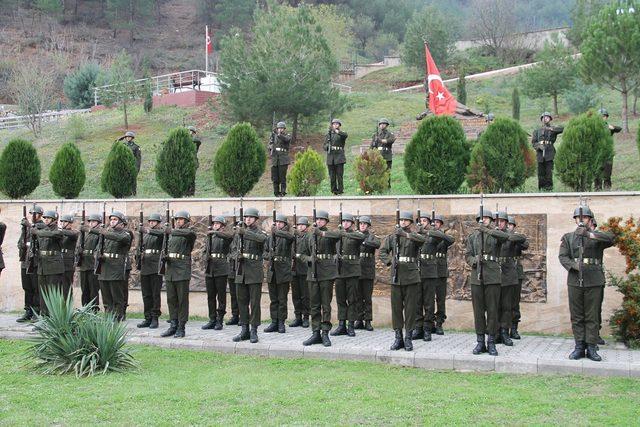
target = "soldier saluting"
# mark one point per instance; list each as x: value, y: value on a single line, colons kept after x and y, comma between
x: 543, y: 141
x: 279, y: 145
x: 217, y: 271
x: 150, y: 280
x: 334, y: 146
x: 604, y: 178
x: 278, y: 251
x: 128, y: 138
x: 383, y: 141
x: 196, y: 142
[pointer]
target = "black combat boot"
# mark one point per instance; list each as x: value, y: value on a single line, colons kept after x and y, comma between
x: 368, y: 326
x: 297, y: 322
x: 233, y: 321
x: 504, y: 333
x: 340, y: 330
x: 276, y: 189
x: 498, y: 338
x: 514, y: 332
x: 480, y: 347
x: 281, y: 328
x: 283, y: 189
x: 243, y: 335
x: 145, y: 323
x: 273, y: 326
x: 439, y: 330
x: 491, y: 345
x: 313, y: 339
x: 154, y: 322
x: 305, y: 321
x: 180, y: 331
x: 417, y: 333
x: 218, y: 325
x: 398, y: 343
x: 351, y: 330
x: 592, y: 353
x: 408, y: 344
x: 325, y: 339
x: 578, y: 351
x: 27, y: 316
x: 601, y: 341
x: 427, y: 335
x: 173, y: 327
x: 253, y: 335
x: 359, y: 324
x: 210, y: 324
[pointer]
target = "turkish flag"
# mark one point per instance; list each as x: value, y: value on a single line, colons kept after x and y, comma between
x: 440, y: 99
x: 208, y: 40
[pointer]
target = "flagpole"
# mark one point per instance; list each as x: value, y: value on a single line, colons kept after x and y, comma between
x: 206, y: 48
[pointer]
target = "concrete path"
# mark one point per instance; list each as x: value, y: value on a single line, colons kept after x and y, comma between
x: 530, y: 355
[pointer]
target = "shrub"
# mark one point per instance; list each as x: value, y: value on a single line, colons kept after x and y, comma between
x: 515, y: 104
x: 371, y: 172
x: 176, y: 163
x: 78, y: 86
x: 78, y: 341
x: 19, y: 169
x: 76, y: 127
x: 499, y: 159
x: 306, y: 174
x: 461, y: 90
x: 586, y: 143
x: 119, y: 174
x: 436, y: 156
x: 67, y: 174
x: 240, y: 161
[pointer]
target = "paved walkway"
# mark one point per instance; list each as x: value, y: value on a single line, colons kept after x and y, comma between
x: 531, y: 354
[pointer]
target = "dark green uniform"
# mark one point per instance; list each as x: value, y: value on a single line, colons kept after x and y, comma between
x: 217, y: 272
x: 348, y: 275
x: 543, y: 141
x: 178, y: 274
x: 29, y: 280
x: 334, y: 146
x: 383, y: 142
x: 231, y: 281
x: 89, y: 285
x: 3, y: 231
x: 279, y: 273
x: 192, y: 188
x: 137, y: 154
x: 69, y: 241
x: 603, y: 179
x: 509, y: 281
x: 426, y: 292
x: 113, y: 275
x: 150, y: 280
x: 299, y: 285
x: 249, y: 281
x: 516, y: 294
x: 368, y: 247
x: 279, y: 146
x: 50, y: 264
x: 443, y: 274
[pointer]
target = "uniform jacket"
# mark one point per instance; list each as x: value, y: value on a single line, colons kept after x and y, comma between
x: 351, y: 242
x: 137, y: 153
x: 334, y: 147
x: 281, y: 267
x: 519, y: 249
x: 383, y: 147
x: 368, y: 246
x: 115, y: 254
x: 69, y: 240
x: 24, y: 246
x: 326, y: 266
x: 508, y: 260
x: 279, y: 149
x: 181, y: 241
x: 91, y: 240
x: 251, y: 255
x: 49, y: 242
x: 151, y: 248
x: 543, y: 141
x: 491, y: 271
x: 443, y: 260
x: 408, y: 272
x: 428, y: 260
x: 594, y: 245
x: 300, y: 267
x: 219, y: 243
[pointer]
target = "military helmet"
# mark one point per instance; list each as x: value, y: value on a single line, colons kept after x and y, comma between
x: 490, y: 117
x: 406, y: 215
x: 336, y: 121
x: 303, y: 220
x: 503, y: 215
x: 282, y: 218
x: 119, y: 215
x: 281, y: 125
x: 192, y: 129
x: 66, y: 218
x: 322, y: 215
x: 130, y: 133
x: 585, y: 212
x: 36, y: 209
x: 183, y: 215
x: 155, y: 217
x: 347, y: 217
x: 425, y: 215
x: 485, y: 213
x: 252, y: 212
x: 221, y: 219
x: 512, y: 220
x: 50, y: 214
x: 365, y: 219
x: 546, y: 114
x: 95, y: 217
x: 439, y: 217
x: 603, y: 112
x: 383, y: 120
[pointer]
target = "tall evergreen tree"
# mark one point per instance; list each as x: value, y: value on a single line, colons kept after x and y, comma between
x: 119, y: 174
x: 19, y: 169
x: 67, y: 174
x: 515, y: 104
x: 78, y: 86
x: 176, y: 163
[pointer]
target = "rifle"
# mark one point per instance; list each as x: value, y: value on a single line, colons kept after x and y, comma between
x: 33, y: 249
x: 97, y: 269
x: 358, y: 220
x: 241, y: 237
x: 581, y: 248
x: 481, y: 215
x: 162, y: 263
x: 339, y: 245
x: 433, y: 213
x: 272, y: 249
x: 209, y: 237
x: 272, y: 138
x: 140, y: 251
x: 80, y: 251
x: 314, y: 250
x: 295, y: 240
x: 328, y: 148
x: 24, y: 234
x: 396, y: 248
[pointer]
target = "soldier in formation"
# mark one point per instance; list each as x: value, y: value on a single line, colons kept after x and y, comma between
x: 443, y: 274
x: 364, y: 304
x: 69, y: 241
x: 150, y: 280
x: 334, y: 145
x: 383, y: 141
x: 519, y: 248
x: 543, y: 141
x: 278, y: 253
x: 27, y: 251
x: 300, y: 270
x: 89, y: 285
x: 217, y: 271
x: 50, y: 264
x: 279, y: 145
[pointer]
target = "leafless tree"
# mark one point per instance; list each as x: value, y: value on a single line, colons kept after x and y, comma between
x: 494, y: 23
x: 32, y: 88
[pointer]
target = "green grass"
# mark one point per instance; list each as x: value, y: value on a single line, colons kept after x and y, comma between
x: 192, y: 388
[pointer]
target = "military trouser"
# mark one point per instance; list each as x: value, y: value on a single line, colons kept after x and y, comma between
x: 31, y: 291
x: 600, y: 310
x: 46, y: 283
x: 425, y: 303
x: 364, y: 305
x: 125, y: 290
x: 441, y: 301
x: 249, y: 295
x: 67, y: 282
x: 506, y: 306
x: 90, y: 288
x: 336, y: 174
x: 151, y: 287
x: 584, y: 305
x: 403, y: 306
x: 347, y: 298
x: 389, y: 162
x: 231, y: 280
x: 279, y: 179
x: 485, y: 300
x: 545, y: 175
x: 320, y: 295
x: 178, y: 300
x: 515, y: 318
x: 300, y: 295
x: 216, y: 296
x: 605, y: 177
x: 278, y: 296
x: 113, y: 297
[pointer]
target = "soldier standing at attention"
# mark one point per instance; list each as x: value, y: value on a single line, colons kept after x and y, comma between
x: 231, y: 281
x: 443, y: 274
x: 178, y: 272
x: 279, y: 145
x: 129, y: 137
x: 50, y: 264
x: 278, y: 251
x: 483, y: 249
x: 403, y: 293
x: 323, y: 270
x: 89, y: 285
x: 217, y: 271
x: 543, y: 141
x: 196, y: 141
x: 29, y: 278
x: 364, y: 305
x: 518, y: 290
x: 300, y: 269
x: 69, y: 241
x: 607, y: 167
x: 334, y: 146
x: 249, y: 241
x: 150, y: 280
x: 383, y: 141
x: 581, y: 253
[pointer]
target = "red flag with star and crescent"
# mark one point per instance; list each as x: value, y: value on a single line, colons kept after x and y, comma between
x: 440, y: 99
x: 207, y: 38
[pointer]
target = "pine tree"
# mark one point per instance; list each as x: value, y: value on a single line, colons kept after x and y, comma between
x: 176, y: 163
x: 19, y: 169
x: 119, y: 174
x: 515, y: 104
x: 307, y: 173
x: 67, y: 174
x: 79, y: 85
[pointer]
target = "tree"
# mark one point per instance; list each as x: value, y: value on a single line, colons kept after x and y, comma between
x: 582, y: 13
x: 307, y: 173
x: 461, y: 90
x: 371, y: 172
x: 176, y: 163
x: 586, y: 143
x: 494, y: 22
x: 19, y: 169
x: 363, y: 30
x: 67, y: 174
x: 553, y: 75
x: 500, y: 159
x: 79, y: 85
x: 582, y: 97
x: 119, y: 174
x: 32, y: 87
x: 123, y: 87
x: 336, y: 29
x: 127, y: 15
x: 240, y: 161
x: 436, y: 155
x: 437, y: 30
x: 611, y: 53
x: 515, y: 104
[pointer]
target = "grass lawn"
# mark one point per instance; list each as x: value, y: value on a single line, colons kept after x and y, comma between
x: 181, y: 387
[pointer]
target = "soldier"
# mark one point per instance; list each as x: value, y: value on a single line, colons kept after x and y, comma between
x: 129, y: 137
x: 364, y: 305
x: 196, y: 141
x: 299, y: 285
x: 383, y: 141
x: 249, y: 241
x: 348, y: 277
x: 543, y: 141
x: 150, y: 280
x: 50, y: 264
x: 69, y: 241
x: 522, y: 246
x: 116, y: 242
x: 29, y: 278
x: 178, y: 272
x: 607, y: 167
x: 483, y: 248
x: 320, y: 252
x: 231, y: 281
x: 601, y: 341
x: 278, y: 250
x: 581, y: 253
x: 279, y: 144
x: 217, y: 271
x: 403, y: 245
x: 334, y: 146
x: 89, y: 285
x: 443, y: 274
x: 128, y: 266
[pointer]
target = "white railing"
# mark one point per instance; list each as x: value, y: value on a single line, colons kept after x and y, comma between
x: 342, y: 88
x: 12, y: 122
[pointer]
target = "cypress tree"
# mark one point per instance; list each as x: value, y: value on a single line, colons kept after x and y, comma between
x: 19, y: 169
x: 67, y: 174
x: 461, y: 90
x: 176, y: 163
x: 307, y: 173
x: 119, y: 174
x: 515, y: 104
x: 371, y: 172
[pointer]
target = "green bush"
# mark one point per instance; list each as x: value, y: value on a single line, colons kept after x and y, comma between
x: 371, y: 172
x: 461, y: 90
x: 76, y: 127
x: 67, y: 174
x: 306, y: 174
x: 176, y: 163
x: 19, y: 169
x: 515, y: 104
x: 78, y: 341
x: 240, y: 161
x: 586, y: 143
x: 500, y: 160
x: 119, y: 174
x: 436, y: 156
x: 78, y: 86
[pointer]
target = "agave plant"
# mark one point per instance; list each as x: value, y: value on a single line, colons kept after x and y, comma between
x: 79, y: 341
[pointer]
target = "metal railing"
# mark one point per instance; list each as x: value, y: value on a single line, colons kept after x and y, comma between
x: 13, y: 122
